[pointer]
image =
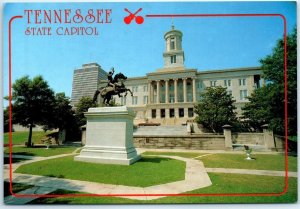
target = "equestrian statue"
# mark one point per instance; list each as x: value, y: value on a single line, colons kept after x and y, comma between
x: 115, y: 86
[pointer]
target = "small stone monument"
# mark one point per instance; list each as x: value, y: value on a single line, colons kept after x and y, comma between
x: 109, y: 136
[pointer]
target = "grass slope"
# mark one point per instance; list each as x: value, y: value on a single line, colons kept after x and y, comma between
x: 146, y: 172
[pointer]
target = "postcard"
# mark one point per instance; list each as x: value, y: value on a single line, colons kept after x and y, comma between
x: 150, y: 102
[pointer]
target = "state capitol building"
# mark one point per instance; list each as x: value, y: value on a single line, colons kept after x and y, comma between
x: 168, y: 95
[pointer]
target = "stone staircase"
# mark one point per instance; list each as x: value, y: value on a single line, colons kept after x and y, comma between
x: 160, y: 131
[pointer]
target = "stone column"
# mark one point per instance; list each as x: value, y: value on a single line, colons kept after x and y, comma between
x: 167, y: 113
x: 167, y: 91
x: 157, y: 92
x: 158, y: 113
x: 268, y: 137
x: 227, y: 134
x: 149, y: 114
x: 149, y: 92
x: 175, y: 91
x: 186, y: 113
x: 184, y: 90
x: 194, y: 90
x: 176, y: 112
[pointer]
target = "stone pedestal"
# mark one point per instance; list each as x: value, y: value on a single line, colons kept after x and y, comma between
x: 227, y: 134
x: 109, y: 136
x: 269, y: 138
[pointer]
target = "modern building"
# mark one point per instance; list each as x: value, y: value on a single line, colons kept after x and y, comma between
x: 86, y: 81
x: 168, y: 95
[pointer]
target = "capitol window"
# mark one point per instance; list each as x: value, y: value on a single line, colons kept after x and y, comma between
x: 172, y: 47
x: 242, y: 82
x: 145, y: 88
x: 243, y: 94
x: 135, y: 89
x: 173, y: 59
x: 213, y: 83
x: 123, y: 100
x: 134, y: 100
x: 145, y: 99
x: 227, y: 82
x: 172, y: 113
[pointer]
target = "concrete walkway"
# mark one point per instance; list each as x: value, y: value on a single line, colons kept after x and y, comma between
x: 195, y: 177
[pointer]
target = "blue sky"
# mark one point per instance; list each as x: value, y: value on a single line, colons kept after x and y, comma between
x: 209, y: 43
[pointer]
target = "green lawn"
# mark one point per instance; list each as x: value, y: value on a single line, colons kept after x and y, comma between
x: 220, y: 160
x: 146, y: 172
x: 222, y: 184
x: 180, y: 154
x: 41, y: 151
x: 261, y: 162
x: 21, y: 137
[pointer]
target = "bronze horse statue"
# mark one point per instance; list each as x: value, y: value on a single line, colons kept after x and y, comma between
x: 108, y: 92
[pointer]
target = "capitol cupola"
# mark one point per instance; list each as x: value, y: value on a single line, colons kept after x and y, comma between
x: 174, y: 55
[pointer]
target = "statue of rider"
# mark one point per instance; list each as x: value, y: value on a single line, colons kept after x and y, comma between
x: 110, y: 79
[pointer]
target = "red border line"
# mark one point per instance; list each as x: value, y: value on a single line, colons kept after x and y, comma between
x: 9, y: 100
x: 213, y: 15
x: 128, y: 195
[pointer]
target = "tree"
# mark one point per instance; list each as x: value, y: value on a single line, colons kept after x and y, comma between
x: 273, y: 72
x: 63, y: 115
x: 257, y: 112
x: 33, y: 103
x: 83, y: 105
x: 62, y: 112
x: 215, y: 109
x: 6, y: 120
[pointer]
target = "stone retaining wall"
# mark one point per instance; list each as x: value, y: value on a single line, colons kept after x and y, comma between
x: 199, y: 142
x: 279, y: 142
x: 248, y: 138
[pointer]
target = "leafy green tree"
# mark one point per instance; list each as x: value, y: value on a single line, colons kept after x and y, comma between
x: 82, y: 106
x: 6, y: 120
x: 63, y: 115
x: 215, y: 109
x: 273, y: 72
x: 33, y: 103
x: 257, y: 112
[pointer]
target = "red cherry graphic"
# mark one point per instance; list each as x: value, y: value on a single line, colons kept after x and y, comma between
x: 139, y: 19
